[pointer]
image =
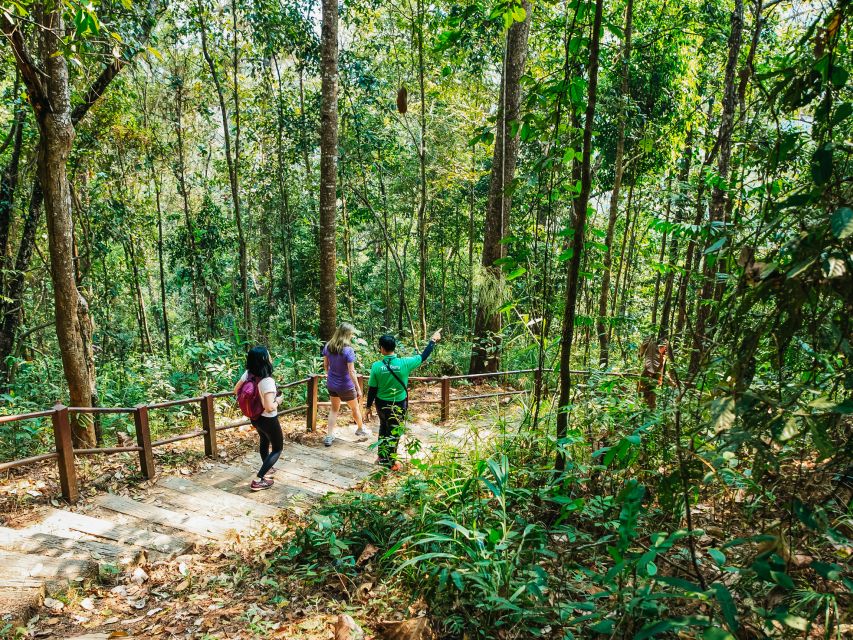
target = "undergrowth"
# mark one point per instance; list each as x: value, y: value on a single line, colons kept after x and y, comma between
x: 500, y: 546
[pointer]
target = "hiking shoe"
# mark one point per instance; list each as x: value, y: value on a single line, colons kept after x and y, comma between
x: 328, y: 440
x: 259, y: 484
x: 363, y: 432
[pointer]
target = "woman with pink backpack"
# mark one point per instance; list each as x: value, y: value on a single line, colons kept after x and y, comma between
x: 258, y: 399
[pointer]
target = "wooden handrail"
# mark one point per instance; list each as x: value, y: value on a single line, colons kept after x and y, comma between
x: 64, y: 453
x: 27, y: 416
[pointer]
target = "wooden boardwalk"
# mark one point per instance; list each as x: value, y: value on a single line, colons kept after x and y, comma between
x: 115, y: 533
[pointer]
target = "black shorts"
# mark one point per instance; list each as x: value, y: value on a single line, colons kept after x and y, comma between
x: 344, y: 394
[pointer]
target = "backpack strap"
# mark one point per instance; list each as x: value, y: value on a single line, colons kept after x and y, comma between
x: 397, y: 378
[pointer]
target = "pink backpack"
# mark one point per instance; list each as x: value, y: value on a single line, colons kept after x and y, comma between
x: 249, y: 398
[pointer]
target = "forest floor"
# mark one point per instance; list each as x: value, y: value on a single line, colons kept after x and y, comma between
x: 220, y: 590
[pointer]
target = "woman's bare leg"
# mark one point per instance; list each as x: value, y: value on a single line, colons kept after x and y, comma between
x: 333, y: 415
x: 356, y: 413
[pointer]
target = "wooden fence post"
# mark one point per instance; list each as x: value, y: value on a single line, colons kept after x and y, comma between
x: 208, y: 423
x: 445, y: 398
x: 311, y: 402
x: 65, y: 453
x: 143, y: 439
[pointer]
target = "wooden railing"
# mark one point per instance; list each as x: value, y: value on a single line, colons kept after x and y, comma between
x: 65, y: 452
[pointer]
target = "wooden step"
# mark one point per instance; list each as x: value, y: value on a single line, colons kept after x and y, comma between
x: 24, y: 565
x: 236, y: 480
x: 172, y: 500
x: 336, y: 457
x: 190, y: 523
x: 46, y: 544
x: 67, y: 523
x: 219, y: 499
x: 316, y: 472
x: 284, y: 477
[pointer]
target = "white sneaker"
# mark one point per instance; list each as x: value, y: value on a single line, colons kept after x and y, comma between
x: 363, y: 433
x: 328, y: 440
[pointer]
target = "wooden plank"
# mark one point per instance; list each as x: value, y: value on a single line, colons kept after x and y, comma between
x: 236, y: 480
x: 191, y: 523
x: 172, y: 500
x: 315, y: 471
x: 64, y: 522
x: 236, y: 505
x: 293, y: 482
x: 24, y: 565
x: 23, y: 541
x: 338, y: 457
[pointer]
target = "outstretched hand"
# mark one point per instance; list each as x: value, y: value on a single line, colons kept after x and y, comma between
x: 436, y: 336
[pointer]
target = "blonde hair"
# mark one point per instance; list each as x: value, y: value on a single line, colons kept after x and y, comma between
x: 341, y: 338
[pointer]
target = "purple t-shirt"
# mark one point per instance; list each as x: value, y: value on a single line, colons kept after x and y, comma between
x: 339, y: 378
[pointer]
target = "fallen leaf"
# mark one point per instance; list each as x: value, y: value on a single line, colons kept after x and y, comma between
x: 347, y: 629
x: 363, y: 591
x: 367, y: 554
x: 414, y: 629
x: 139, y: 576
x: 88, y: 604
x: 182, y: 585
x: 118, y: 633
x: 53, y: 605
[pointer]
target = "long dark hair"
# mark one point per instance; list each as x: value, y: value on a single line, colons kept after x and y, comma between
x: 258, y: 362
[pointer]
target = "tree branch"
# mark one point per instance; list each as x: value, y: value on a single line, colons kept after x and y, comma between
x: 99, y: 86
x: 30, y: 71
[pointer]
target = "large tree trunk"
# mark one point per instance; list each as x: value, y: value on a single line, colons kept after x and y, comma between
x: 57, y: 136
x: 720, y: 193
x: 580, y: 214
x: 600, y: 327
x: 328, y: 168
x: 487, y: 323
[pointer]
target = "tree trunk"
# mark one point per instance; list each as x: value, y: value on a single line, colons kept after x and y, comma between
x: 487, y: 323
x: 8, y: 186
x: 12, y: 306
x: 683, y: 176
x: 328, y: 168
x: 720, y: 193
x: 57, y: 137
x: 601, y: 328
x: 422, y: 200
x: 183, y: 189
x: 166, y: 338
x: 573, y: 271
x: 231, y: 159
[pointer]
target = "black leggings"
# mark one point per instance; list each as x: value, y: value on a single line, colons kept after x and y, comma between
x: 391, y: 416
x: 272, y: 442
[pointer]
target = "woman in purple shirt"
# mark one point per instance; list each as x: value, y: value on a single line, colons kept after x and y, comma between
x: 342, y: 380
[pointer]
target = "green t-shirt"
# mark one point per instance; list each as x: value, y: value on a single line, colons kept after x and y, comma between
x: 388, y: 388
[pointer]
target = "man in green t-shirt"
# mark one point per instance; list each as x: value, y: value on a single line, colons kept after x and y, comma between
x: 388, y: 387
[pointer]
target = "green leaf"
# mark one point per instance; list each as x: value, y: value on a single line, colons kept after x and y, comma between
x: 782, y: 579
x: 715, y: 633
x: 842, y: 113
x: 662, y: 626
x: 605, y: 626
x: 829, y: 571
x: 842, y: 222
x: 718, y: 556
x: 723, y: 413
x: 822, y: 164
x: 716, y: 246
x: 516, y: 273
x: 727, y: 605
